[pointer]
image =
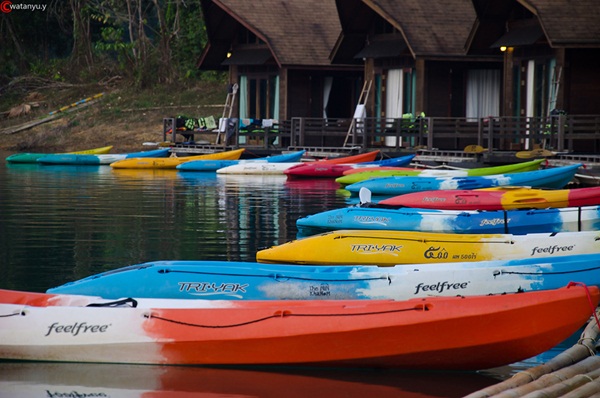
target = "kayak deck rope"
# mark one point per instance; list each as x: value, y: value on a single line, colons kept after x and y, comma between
x: 278, y: 276
x: 421, y: 240
x: 572, y: 271
x: 22, y: 313
x: 287, y: 314
x: 116, y: 303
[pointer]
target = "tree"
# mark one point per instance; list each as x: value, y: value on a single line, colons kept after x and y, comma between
x: 81, y: 54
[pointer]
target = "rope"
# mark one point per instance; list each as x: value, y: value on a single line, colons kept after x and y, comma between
x: 589, y: 296
x: 421, y: 240
x: 117, y: 303
x: 546, y: 272
x: 275, y: 276
x: 278, y: 314
x: 14, y: 314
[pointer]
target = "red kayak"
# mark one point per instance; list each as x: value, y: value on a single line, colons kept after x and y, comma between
x: 361, y: 157
x: 327, y: 167
x: 502, y: 198
x: 334, y: 170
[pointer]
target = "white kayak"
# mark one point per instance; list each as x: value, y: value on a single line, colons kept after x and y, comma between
x: 257, y: 168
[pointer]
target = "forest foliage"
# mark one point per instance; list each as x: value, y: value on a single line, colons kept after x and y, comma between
x: 146, y: 42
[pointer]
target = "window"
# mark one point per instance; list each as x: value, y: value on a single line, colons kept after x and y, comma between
x: 261, y: 97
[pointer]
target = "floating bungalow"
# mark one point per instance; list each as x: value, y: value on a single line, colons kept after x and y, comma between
x: 406, y: 75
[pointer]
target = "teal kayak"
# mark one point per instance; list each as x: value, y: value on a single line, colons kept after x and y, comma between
x: 95, y: 160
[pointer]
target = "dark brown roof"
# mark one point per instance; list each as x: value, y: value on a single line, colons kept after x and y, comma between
x: 520, y: 36
x: 430, y: 27
x: 298, y: 32
x: 382, y: 49
x: 568, y: 23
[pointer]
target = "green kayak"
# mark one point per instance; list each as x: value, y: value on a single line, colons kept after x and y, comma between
x: 355, y: 177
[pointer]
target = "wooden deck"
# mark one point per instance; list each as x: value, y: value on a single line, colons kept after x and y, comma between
x: 571, y: 139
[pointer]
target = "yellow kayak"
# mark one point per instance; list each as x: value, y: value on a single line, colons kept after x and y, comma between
x: 94, y: 151
x: 173, y: 162
x: 389, y: 248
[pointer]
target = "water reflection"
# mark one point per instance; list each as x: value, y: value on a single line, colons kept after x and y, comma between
x: 102, y: 380
x: 61, y: 223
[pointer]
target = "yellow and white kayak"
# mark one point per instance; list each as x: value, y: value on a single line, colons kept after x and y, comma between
x: 173, y: 162
x: 388, y: 248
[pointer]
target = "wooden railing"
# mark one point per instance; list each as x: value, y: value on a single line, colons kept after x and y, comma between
x: 573, y: 133
x: 561, y: 133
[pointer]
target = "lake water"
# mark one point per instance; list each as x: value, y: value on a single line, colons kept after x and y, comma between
x: 61, y: 223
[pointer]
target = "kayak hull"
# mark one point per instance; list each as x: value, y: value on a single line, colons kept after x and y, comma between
x: 504, y: 198
x: 214, y: 165
x: 518, y: 222
x: 101, y: 159
x: 479, y: 331
x: 222, y: 280
x: 258, y: 168
x: 352, y: 177
x: 389, y: 248
x: 172, y: 162
x: 328, y: 170
x: 30, y: 157
x: 557, y: 177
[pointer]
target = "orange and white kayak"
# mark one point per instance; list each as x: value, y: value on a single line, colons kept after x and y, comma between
x: 173, y: 162
x: 479, y: 332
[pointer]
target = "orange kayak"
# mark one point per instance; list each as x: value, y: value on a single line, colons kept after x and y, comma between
x: 466, y: 333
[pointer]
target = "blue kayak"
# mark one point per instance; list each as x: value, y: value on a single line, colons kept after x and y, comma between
x: 557, y: 177
x: 214, y: 165
x: 95, y: 160
x: 221, y: 280
x: 517, y: 222
x: 390, y: 162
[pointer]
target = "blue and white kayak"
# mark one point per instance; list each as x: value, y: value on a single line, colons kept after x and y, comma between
x: 517, y: 222
x: 103, y: 159
x: 556, y: 177
x: 221, y: 280
x: 214, y: 165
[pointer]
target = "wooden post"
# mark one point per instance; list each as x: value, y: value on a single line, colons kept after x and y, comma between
x: 491, y: 128
x: 421, y: 91
x: 430, y: 129
x: 508, y: 94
